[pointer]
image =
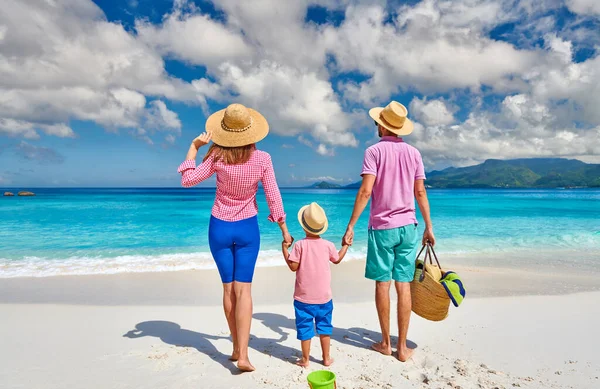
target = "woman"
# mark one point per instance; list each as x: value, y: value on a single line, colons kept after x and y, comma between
x: 233, y: 234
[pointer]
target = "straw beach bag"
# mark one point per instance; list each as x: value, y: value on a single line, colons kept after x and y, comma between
x: 429, y: 297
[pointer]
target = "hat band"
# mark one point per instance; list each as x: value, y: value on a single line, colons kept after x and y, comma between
x: 309, y: 228
x: 390, y: 124
x: 229, y: 129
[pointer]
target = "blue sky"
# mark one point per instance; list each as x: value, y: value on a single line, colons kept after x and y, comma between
x: 111, y: 93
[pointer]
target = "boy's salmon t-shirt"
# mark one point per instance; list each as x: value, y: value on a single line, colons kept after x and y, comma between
x: 313, y: 277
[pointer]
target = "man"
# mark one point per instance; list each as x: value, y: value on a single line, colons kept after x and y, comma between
x: 393, y: 174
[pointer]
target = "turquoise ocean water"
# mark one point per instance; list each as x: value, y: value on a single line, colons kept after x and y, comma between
x: 92, y: 231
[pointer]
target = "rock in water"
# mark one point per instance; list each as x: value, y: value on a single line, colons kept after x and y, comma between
x: 25, y: 193
x: 8, y: 194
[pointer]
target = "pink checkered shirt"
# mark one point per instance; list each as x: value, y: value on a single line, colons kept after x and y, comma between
x: 237, y: 186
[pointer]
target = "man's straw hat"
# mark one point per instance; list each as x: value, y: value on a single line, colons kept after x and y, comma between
x: 237, y: 126
x: 313, y: 219
x: 393, y: 118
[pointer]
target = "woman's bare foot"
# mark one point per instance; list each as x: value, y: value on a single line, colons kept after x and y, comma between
x: 327, y: 361
x: 245, y: 366
x: 234, y: 356
x: 404, y: 354
x: 304, y: 362
x: 382, y: 348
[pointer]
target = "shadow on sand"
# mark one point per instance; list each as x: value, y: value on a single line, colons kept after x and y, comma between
x: 355, y: 336
x: 172, y: 334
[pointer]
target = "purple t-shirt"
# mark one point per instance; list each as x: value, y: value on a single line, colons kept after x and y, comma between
x: 395, y: 166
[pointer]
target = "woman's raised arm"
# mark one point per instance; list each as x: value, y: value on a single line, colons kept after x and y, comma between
x: 190, y: 173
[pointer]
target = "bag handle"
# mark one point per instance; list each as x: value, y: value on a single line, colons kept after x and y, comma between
x: 428, y: 254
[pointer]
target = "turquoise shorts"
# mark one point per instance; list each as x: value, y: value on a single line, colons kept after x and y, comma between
x: 391, y: 254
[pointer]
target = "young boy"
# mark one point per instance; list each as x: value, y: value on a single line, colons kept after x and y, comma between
x: 312, y: 296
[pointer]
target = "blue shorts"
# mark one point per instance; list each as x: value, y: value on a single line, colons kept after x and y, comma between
x: 309, y: 315
x: 234, y: 246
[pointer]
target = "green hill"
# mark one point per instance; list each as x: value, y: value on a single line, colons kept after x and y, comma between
x: 519, y: 173
x: 324, y: 185
x: 516, y: 173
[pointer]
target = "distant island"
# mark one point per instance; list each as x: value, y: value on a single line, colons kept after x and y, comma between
x: 514, y: 173
x: 324, y: 185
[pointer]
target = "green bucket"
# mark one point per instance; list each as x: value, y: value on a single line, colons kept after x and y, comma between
x: 321, y: 379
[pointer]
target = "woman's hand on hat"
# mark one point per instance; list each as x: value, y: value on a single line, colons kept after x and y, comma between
x: 202, y: 139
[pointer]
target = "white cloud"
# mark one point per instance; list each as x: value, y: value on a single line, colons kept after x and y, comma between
x: 324, y: 150
x: 73, y: 64
x: 43, y: 155
x: 293, y: 101
x: 323, y: 178
x: 194, y: 38
x: 431, y: 113
x: 170, y: 139
x: 28, y: 130
x: 432, y: 46
x: 584, y: 7
x: 160, y: 118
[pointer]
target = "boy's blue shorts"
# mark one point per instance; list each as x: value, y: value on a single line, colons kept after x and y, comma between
x: 309, y: 315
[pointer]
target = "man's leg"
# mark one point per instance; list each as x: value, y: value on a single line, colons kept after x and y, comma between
x: 403, y: 273
x: 382, y: 302
x: 404, y: 310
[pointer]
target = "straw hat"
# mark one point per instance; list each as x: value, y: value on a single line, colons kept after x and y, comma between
x: 313, y: 219
x: 237, y: 126
x: 393, y: 118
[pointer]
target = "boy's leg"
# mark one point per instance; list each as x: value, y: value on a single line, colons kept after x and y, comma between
x: 325, y: 346
x: 305, y: 328
x: 323, y: 320
x: 305, y: 361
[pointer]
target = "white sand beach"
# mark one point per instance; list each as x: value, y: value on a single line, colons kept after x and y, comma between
x: 167, y: 330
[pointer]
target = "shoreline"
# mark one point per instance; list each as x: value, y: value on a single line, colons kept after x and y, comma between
x: 526, y: 259
x: 203, y: 287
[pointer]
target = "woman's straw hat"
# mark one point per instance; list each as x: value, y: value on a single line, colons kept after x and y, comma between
x: 237, y: 126
x: 313, y: 219
x: 393, y: 118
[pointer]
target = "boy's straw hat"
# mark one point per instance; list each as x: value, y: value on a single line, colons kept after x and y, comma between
x: 393, y: 118
x: 313, y: 219
x: 237, y: 126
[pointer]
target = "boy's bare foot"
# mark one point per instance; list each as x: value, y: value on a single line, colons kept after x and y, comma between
x: 245, y: 366
x: 382, y: 348
x: 328, y: 361
x: 304, y: 362
x: 404, y: 354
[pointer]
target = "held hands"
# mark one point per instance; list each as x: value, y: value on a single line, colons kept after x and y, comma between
x: 202, y: 139
x: 287, y: 238
x: 286, y: 245
x: 348, y: 238
x: 428, y: 236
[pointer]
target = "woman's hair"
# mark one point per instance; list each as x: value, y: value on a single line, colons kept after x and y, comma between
x: 230, y: 155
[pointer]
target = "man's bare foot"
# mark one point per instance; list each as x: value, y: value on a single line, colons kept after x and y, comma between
x: 304, y: 362
x: 382, y: 348
x: 245, y: 366
x: 328, y: 361
x: 405, y: 354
